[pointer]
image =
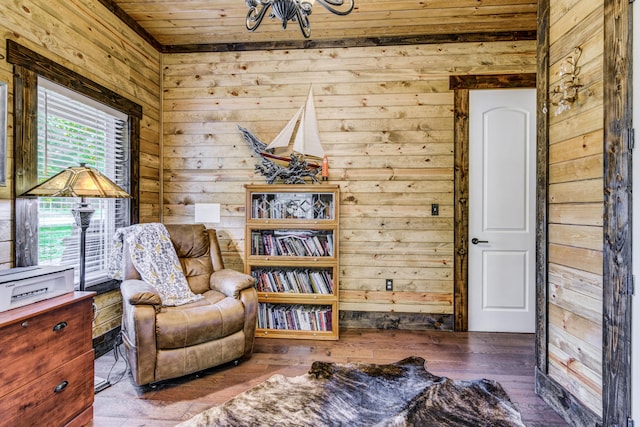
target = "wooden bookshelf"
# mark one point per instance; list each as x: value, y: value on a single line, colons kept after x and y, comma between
x: 291, y: 248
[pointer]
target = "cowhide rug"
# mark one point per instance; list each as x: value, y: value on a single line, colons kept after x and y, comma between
x: 400, y: 394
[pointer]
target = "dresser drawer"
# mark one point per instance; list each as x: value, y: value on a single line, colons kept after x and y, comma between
x: 53, y: 399
x: 33, y: 346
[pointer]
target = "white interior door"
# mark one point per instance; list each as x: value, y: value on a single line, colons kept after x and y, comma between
x: 502, y: 196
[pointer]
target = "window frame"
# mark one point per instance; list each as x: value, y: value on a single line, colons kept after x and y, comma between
x: 74, y: 129
x: 28, y: 65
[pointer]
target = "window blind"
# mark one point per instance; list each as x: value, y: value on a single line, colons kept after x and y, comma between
x: 74, y: 129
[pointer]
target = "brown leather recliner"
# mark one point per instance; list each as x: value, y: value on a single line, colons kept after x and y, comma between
x: 167, y: 342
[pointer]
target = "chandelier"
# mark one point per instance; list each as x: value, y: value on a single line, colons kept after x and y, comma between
x: 292, y: 10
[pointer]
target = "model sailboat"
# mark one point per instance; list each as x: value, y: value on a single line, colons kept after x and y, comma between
x: 296, y: 151
x: 303, y: 128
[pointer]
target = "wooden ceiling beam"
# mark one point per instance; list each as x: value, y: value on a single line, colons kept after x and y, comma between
x: 353, y: 42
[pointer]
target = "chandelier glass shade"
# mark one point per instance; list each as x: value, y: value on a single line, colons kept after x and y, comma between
x: 292, y: 10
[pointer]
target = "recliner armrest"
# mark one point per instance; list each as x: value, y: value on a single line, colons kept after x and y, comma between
x: 230, y: 282
x: 139, y: 292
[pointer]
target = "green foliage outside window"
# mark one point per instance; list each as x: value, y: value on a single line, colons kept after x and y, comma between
x: 72, y: 144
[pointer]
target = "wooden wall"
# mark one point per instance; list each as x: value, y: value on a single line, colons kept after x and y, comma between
x: 575, y: 229
x: 86, y: 38
x: 386, y: 122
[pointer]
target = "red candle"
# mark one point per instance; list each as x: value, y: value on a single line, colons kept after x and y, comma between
x: 325, y: 168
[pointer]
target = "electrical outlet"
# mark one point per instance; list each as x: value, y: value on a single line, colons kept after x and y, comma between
x: 435, y: 209
x: 389, y: 284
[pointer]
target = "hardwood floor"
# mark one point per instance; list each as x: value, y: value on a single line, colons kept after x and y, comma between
x: 507, y: 358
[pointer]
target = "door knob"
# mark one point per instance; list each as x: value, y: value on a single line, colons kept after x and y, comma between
x: 475, y: 241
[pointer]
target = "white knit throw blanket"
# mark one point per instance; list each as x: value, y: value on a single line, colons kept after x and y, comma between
x: 155, y: 258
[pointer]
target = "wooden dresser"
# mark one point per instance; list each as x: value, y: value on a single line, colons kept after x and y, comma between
x: 46, y: 362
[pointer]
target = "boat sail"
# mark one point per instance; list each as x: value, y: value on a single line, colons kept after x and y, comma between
x: 292, y: 165
x: 303, y: 128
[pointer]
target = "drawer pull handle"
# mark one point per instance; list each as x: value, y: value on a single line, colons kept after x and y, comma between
x: 60, y: 387
x: 60, y: 326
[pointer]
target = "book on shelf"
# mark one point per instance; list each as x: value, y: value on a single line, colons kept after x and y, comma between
x: 291, y: 243
x: 296, y: 317
x: 293, y: 280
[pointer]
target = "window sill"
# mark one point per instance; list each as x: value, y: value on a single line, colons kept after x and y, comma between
x: 104, y: 287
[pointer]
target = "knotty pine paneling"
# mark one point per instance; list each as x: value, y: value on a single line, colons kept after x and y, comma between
x: 86, y: 38
x: 576, y: 326
x: 589, y: 237
x: 579, y: 214
x: 575, y: 232
x: 584, y: 385
x: 385, y: 117
x: 590, y: 360
x: 579, y: 258
x: 584, y: 145
x: 108, y: 314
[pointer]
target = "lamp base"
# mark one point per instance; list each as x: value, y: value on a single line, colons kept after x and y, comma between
x: 100, y: 384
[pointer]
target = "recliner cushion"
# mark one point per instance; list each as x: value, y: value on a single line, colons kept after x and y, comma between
x: 211, y: 318
x: 190, y: 241
x: 197, y: 271
x: 192, y: 246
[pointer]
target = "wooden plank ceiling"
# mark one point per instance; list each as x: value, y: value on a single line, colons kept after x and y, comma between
x: 174, y: 23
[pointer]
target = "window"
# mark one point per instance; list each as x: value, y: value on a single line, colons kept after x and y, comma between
x: 73, y: 129
x: 62, y: 118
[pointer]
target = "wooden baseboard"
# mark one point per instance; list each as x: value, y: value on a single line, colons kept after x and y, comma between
x: 386, y: 320
x: 564, y: 403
